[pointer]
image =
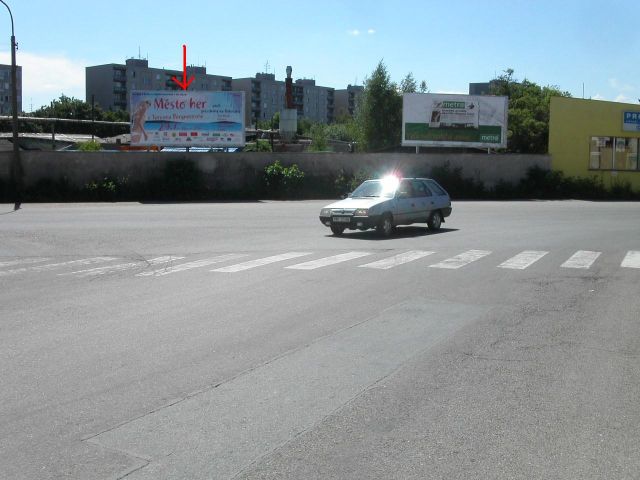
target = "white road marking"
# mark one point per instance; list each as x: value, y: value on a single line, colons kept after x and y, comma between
x: 24, y: 261
x: 461, y: 260
x: 324, y: 262
x: 239, y: 267
x: 190, y: 265
x: 121, y: 267
x: 52, y: 266
x: 631, y: 260
x: 401, y: 258
x: 581, y: 259
x: 523, y: 260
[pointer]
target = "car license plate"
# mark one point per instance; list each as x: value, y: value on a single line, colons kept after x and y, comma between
x: 341, y: 219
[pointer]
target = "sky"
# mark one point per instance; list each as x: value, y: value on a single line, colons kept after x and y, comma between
x: 586, y: 47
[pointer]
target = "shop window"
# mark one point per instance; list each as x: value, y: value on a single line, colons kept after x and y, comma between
x: 601, y: 156
x: 626, y: 154
x: 614, y: 153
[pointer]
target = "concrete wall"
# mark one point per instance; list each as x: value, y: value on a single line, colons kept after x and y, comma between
x: 230, y: 171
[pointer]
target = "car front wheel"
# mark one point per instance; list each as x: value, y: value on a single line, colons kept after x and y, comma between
x: 337, y: 231
x: 435, y: 220
x: 385, y: 227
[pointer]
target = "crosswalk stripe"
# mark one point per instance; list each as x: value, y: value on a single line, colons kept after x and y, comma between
x: 52, y: 266
x: 24, y: 261
x: 401, y: 258
x: 121, y: 267
x: 523, y: 260
x: 324, y: 262
x: 461, y: 260
x: 631, y: 260
x: 190, y: 265
x: 581, y: 259
x: 239, y: 267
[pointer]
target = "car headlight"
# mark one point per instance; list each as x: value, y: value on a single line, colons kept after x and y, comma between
x: 361, y: 212
x: 325, y: 212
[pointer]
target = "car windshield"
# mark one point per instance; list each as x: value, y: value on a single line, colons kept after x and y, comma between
x: 376, y: 188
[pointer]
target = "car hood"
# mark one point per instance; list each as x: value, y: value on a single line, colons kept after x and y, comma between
x: 358, y: 202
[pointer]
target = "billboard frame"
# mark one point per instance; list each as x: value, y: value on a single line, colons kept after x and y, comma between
x: 187, y: 118
x: 455, y: 123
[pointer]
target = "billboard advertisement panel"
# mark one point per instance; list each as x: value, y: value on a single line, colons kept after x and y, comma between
x: 452, y: 120
x: 631, y: 121
x: 184, y: 118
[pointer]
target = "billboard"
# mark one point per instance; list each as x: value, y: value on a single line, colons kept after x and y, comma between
x: 631, y: 121
x: 184, y: 118
x: 451, y: 120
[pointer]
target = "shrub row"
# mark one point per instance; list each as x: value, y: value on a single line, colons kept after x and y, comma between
x: 181, y: 180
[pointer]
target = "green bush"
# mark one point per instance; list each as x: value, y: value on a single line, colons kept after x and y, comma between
x: 106, y: 189
x: 283, y: 182
x: 457, y: 185
x: 260, y: 146
x: 90, y: 146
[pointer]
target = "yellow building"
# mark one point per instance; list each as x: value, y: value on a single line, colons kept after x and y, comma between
x: 593, y: 138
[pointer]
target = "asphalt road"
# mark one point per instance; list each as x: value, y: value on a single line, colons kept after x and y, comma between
x: 242, y: 340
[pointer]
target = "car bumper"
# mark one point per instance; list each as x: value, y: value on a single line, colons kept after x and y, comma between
x: 354, y: 223
x: 446, y: 211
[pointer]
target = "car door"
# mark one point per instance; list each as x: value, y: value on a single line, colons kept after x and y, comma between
x: 424, y: 202
x: 405, y: 203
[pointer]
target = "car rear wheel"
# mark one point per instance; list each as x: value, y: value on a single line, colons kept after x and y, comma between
x: 385, y: 227
x: 435, y: 220
x: 337, y: 231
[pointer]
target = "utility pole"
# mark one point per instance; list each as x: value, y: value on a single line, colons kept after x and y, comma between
x: 16, y: 165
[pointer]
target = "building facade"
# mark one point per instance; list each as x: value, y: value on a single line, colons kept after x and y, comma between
x: 347, y: 100
x: 265, y: 96
x: 594, y: 138
x: 5, y: 89
x: 110, y: 85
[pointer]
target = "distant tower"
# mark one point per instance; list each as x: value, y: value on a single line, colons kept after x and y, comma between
x: 289, y: 115
x: 288, y: 90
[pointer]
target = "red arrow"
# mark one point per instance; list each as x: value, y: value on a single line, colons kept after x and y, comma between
x: 184, y: 84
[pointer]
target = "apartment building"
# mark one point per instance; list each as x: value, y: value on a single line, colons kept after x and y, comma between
x: 111, y: 84
x: 347, y: 99
x: 5, y: 89
x: 265, y: 96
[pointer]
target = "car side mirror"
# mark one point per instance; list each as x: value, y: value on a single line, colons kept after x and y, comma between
x: 345, y: 195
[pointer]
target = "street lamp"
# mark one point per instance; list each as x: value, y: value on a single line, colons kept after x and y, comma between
x: 16, y: 166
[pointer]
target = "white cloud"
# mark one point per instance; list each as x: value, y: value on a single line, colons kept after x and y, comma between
x: 353, y: 33
x: 46, y: 77
x: 622, y: 99
x: 622, y: 87
x: 597, y: 96
x: 371, y: 31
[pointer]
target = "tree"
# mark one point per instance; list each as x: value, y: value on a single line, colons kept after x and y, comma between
x: 528, y: 123
x: 319, y: 138
x: 76, y: 109
x: 408, y: 84
x: 379, y: 114
x: 423, y: 87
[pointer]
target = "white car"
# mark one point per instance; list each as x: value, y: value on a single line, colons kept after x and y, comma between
x: 385, y: 203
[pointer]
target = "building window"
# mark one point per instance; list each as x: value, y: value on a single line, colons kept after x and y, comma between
x: 626, y: 154
x: 601, y: 153
x: 614, y: 153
